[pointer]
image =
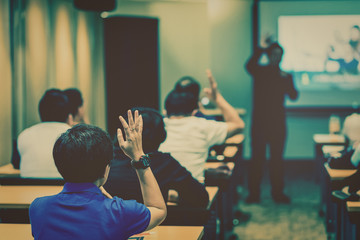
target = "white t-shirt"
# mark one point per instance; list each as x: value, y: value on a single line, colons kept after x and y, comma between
x: 189, y: 139
x: 35, y: 145
x: 351, y: 128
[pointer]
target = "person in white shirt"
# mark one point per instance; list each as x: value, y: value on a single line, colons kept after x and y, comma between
x: 35, y: 144
x: 188, y: 137
x: 351, y: 129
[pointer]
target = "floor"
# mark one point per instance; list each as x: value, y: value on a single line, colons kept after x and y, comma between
x: 297, y: 221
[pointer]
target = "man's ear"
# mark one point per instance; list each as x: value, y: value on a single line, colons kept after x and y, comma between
x: 164, y: 112
x: 70, y: 120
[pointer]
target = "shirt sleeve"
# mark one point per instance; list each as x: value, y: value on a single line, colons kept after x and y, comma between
x: 136, y: 215
x: 216, y: 132
x: 252, y: 66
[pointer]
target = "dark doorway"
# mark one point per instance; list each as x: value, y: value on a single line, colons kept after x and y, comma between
x: 132, y: 65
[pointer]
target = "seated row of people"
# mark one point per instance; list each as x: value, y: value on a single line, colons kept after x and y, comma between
x: 177, y: 146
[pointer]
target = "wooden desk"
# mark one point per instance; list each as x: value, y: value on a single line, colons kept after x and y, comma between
x: 15, y: 231
x: 338, y: 174
x: 22, y: 196
x: 231, y: 150
x: 210, y: 165
x: 236, y: 139
x: 329, y: 139
x: 172, y: 232
x: 353, y: 206
x: 9, y: 170
x: 23, y: 232
x: 332, y: 150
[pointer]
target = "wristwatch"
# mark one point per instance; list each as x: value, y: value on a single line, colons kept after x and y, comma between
x: 143, y: 163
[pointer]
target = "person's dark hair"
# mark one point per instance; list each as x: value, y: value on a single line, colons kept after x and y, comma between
x: 75, y: 100
x: 82, y: 153
x: 54, y: 106
x: 273, y: 46
x: 154, y: 132
x: 188, y: 84
x: 180, y: 103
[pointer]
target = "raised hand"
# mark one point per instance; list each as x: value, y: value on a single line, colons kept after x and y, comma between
x: 266, y: 40
x: 132, y: 146
x: 211, y: 92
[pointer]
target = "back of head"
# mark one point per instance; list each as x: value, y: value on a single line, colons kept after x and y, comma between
x: 75, y: 100
x: 188, y: 84
x: 275, y: 53
x: 274, y: 46
x: 82, y: 153
x: 154, y: 132
x: 180, y: 103
x: 54, y: 106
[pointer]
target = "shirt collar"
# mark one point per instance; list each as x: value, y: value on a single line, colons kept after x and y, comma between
x: 80, y: 187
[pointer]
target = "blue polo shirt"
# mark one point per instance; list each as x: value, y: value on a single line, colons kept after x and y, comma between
x: 81, y: 211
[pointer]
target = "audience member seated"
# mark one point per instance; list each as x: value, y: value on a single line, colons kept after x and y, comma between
x: 168, y: 172
x: 84, y: 210
x: 76, y: 105
x: 188, y: 137
x: 189, y: 84
x: 35, y: 143
x: 351, y: 129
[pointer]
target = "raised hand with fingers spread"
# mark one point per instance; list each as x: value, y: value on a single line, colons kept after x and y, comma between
x: 132, y: 145
x: 211, y: 92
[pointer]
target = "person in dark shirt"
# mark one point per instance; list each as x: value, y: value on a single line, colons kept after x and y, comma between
x: 122, y: 181
x: 270, y: 87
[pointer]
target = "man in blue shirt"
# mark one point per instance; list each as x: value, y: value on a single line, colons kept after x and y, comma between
x: 84, y: 210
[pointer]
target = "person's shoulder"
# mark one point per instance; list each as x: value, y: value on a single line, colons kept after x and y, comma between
x: 205, y: 122
x: 42, y: 202
x: 31, y: 128
x: 160, y: 158
x: 56, y: 126
x: 353, y: 117
x: 45, y: 126
x: 126, y: 206
x: 201, y: 120
x: 29, y: 131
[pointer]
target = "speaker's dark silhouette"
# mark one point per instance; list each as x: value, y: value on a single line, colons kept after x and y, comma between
x: 132, y: 70
x: 95, y: 5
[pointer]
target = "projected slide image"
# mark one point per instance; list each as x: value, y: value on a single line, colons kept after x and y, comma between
x: 322, y: 52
